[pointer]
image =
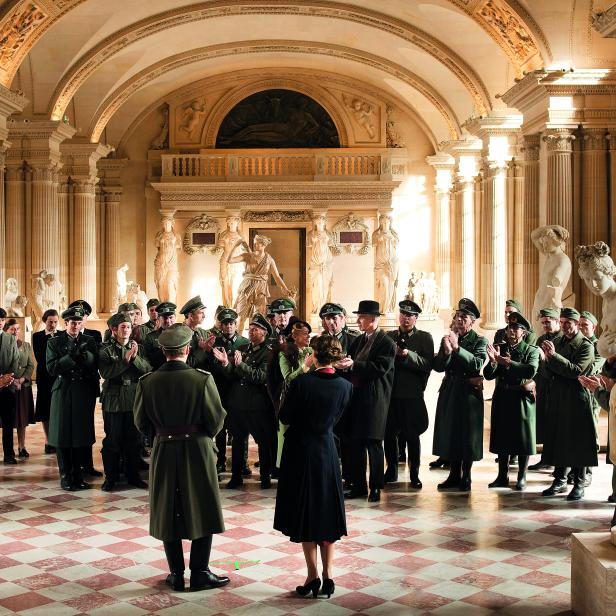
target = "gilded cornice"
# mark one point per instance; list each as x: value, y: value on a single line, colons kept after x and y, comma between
x: 116, y: 99
x: 83, y: 68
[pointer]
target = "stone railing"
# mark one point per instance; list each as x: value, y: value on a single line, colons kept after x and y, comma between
x: 272, y: 165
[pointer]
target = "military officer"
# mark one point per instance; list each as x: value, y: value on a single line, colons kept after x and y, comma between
x: 282, y: 310
x: 181, y: 406
x: 407, y: 409
x: 333, y: 320
x: 216, y: 329
x: 166, y: 313
x: 143, y: 330
x: 500, y: 337
x: 249, y: 406
x: 72, y: 357
x: 513, y: 364
x: 121, y: 364
x: 570, y: 431
x: 202, y: 341
x: 458, y: 423
x: 9, y: 359
x: 87, y: 311
x: 270, y: 316
x: 132, y: 310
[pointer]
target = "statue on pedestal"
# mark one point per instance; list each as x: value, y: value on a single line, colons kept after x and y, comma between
x: 553, y: 278
x: 597, y: 270
x: 121, y: 284
x: 385, y: 241
x: 320, y: 267
x: 39, y: 301
x: 135, y: 295
x: 11, y: 293
x: 253, y: 291
x: 227, y: 241
x: 166, y: 273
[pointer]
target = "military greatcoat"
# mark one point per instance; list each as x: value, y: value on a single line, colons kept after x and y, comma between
x: 458, y: 423
x: 512, y: 426
x: 543, y: 381
x: 570, y: 430
x: 184, y: 497
x: 152, y: 349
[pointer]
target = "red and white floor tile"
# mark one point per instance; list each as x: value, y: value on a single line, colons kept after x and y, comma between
x: 492, y: 551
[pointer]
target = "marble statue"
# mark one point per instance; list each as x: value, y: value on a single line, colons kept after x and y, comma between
x: 39, y: 302
x: 385, y: 241
x: 424, y: 291
x: 121, y: 284
x: 11, y: 293
x: 161, y: 141
x: 253, y: 292
x: 411, y: 293
x: 597, y: 270
x: 227, y: 241
x: 363, y: 114
x: 191, y: 116
x: 166, y: 274
x: 135, y: 295
x: 18, y: 307
x: 554, y: 276
x: 320, y: 268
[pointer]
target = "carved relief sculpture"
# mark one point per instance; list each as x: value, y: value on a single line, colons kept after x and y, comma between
x: 167, y: 243
x: 206, y: 226
x: 553, y: 278
x: 22, y: 23
x: 363, y: 113
x: 351, y: 235
x: 597, y: 270
x: 424, y: 291
x: 393, y: 138
x: 321, y: 260
x: 386, y: 241
x: 227, y: 241
x: 121, y: 284
x: 253, y: 291
x: 191, y: 117
x: 161, y: 142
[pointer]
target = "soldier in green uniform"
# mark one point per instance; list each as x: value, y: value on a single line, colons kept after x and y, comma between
x: 153, y: 352
x: 333, y: 320
x: 72, y: 357
x: 458, y: 424
x: 9, y: 360
x: 570, y: 432
x: 500, y: 337
x: 249, y: 406
x: 87, y: 311
x: 181, y: 406
x: 513, y: 364
x: 282, y: 309
x: 121, y: 364
x: 407, y: 409
x: 131, y: 310
x: 143, y: 330
x: 216, y: 329
x: 194, y: 314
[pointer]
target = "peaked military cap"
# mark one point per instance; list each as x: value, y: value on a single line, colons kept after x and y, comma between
x: 81, y: 303
x: 226, y: 314
x: 73, y: 313
x: 590, y: 316
x: 330, y: 309
x: 517, y: 318
x: 570, y: 313
x: 219, y: 309
x: 514, y: 303
x: 283, y: 304
x: 194, y: 303
x: 368, y: 306
x: 268, y: 310
x: 2, y: 313
x: 175, y: 337
x: 408, y: 306
x: 260, y: 321
x: 165, y: 308
x: 468, y: 307
x: 127, y: 307
x: 152, y: 302
x: 115, y: 319
x: 552, y: 313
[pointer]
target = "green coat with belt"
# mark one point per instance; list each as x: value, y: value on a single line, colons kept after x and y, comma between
x: 121, y: 378
x: 512, y: 425
x: 184, y: 497
x: 247, y: 390
x: 25, y: 363
x: 458, y: 423
x: 571, y: 433
x: 543, y: 381
x: 152, y: 350
x: 197, y: 356
x: 9, y: 357
x: 73, y: 395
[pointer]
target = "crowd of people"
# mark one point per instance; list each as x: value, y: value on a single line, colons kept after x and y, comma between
x: 341, y: 405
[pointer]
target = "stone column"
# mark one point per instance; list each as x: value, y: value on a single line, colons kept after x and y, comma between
x: 455, y: 222
x: 612, y: 183
x: 467, y: 224
x: 530, y: 219
x: 515, y: 197
x: 3, y: 275
x: 112, y: 245
x: 15, y: 213
x: 595, y: 212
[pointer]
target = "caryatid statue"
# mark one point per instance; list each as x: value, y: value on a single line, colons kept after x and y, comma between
x: 385, y: 241
x: 227, y: 241
x: 166, y: 272
x: 554, y: 276
x: 321, y: 261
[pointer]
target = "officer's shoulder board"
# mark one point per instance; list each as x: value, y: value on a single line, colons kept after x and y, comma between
x: 203, y: 371
x: 143, y: 376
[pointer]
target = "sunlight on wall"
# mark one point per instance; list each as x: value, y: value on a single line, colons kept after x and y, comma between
x: 208, y: 288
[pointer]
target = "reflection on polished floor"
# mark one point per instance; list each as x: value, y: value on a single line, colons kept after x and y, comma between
x: 493, y: 551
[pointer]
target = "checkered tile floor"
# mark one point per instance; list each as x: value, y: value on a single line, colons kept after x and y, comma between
x: 493, y: 551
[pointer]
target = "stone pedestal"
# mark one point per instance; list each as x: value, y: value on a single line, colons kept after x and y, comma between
x: 593, y: 574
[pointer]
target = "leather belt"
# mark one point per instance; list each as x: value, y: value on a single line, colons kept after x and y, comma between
x: 179, y: 432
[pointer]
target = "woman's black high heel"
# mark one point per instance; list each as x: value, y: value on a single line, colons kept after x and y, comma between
x: 312, y: 586
x: 328, y: 587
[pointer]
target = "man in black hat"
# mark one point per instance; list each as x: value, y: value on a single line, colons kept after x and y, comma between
x: 407, y: 409
x: 458, y: 424
x: 153, y: 352
x: 87, y: 311
x: 371, y: 364
x: 249, y: 407
x: 9, y: 359
x: 72, y: 357
x: 143, y: 330
x: 194, y: 314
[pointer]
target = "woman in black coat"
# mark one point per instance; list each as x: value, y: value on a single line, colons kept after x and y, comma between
x: 310, y: 502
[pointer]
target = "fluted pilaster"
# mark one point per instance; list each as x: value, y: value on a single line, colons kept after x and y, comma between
x: 15, y: 217
x: 611, y: 138
x: 530, y: 219
x: 515, y: 222
x: 456, y: 242
x: 112, y: 246
x: 2, y: 229
x: 559, y: 177
x: 467, y: 215
x: 64, y: 239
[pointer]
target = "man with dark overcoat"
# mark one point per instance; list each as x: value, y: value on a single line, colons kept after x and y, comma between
x: 458, y: 423
x: 151, y: 348
x: 370, y: 362
x: 407, y: 409
x: 181, y: 406
x: 9, y: 360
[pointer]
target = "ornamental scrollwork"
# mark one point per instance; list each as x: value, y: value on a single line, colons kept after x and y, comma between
x: 200, y: 224
x: 342, y: 231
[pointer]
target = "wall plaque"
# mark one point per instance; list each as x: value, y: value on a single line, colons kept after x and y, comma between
x: 351, y: 235
x: 201, y: 234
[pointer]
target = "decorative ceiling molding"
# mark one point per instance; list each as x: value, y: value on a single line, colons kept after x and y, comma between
x: 85, y: 66
x: 118, y: 97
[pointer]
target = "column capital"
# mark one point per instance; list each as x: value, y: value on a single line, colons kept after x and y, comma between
x: 84, y: 185
x: 80, y: 158
x: 38, y: 142
x: 559, y: 139
x: 595, y: 139
x: 531, y: 147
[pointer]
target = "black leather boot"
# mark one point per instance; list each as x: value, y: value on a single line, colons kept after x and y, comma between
x: 465, y: 482
x: 453, y: 480
x: 201, y: 577
x: 502, y: 480
x: 415, y: 481
x: 579, y: 479
x: 523, y: 465
x: 175, y: 560
x: 559, y: 485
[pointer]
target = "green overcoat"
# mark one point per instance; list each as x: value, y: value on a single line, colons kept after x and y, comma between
x: 184, y: 497
x: 73, y: 395
x: 152, y: 350
x: 458, y: 423
x: 570, y: 430
x: 512, y: 424
x: 543, y: 380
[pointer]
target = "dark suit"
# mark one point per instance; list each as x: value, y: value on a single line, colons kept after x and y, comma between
x: 44, y: 381
x: 372, y: 376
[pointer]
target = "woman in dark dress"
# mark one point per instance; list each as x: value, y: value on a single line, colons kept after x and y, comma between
x: 310, y: 501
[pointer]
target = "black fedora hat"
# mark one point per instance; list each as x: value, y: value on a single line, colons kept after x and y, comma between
x: 368, y: 306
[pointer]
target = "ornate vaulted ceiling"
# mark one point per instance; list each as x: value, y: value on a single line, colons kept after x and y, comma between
x: 102, y: 63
